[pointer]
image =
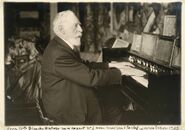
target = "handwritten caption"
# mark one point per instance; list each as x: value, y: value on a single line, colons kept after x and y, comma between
x: 121, y: 127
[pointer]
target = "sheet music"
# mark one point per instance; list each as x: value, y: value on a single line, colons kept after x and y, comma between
x: 148, y: 44
x: 119, y: 43
x: 136, y: 45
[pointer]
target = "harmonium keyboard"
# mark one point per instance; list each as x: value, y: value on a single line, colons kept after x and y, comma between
x: 154, y: 85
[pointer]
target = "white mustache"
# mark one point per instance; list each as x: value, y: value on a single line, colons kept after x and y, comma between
x: 79, y: 36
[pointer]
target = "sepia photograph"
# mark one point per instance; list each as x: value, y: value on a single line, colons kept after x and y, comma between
x: 92, y: 63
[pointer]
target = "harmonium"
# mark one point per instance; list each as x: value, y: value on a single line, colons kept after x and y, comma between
x: 157, y: 93
x: 156, y: 54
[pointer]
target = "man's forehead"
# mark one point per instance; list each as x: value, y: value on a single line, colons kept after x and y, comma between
x: 71, y: 18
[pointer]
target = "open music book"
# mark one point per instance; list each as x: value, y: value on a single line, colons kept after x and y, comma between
x: 119, y: 43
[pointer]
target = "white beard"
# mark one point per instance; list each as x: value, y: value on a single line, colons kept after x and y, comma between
x: 75, y: 41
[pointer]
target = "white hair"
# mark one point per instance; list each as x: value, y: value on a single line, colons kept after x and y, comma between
x: 61, y: 19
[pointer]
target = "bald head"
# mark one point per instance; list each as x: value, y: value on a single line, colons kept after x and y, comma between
x: 67, y: 26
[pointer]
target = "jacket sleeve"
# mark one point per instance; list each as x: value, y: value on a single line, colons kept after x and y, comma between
x: 79, y: 73
x: 95, y: 65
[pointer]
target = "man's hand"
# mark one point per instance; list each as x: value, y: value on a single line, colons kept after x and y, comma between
x: 132, y: 72
x: 127, y: 68
x: 120, y: 64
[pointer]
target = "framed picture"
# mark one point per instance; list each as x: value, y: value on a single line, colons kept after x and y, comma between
x: 169, y: 25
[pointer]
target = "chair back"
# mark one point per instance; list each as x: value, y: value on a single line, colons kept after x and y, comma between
x: 42, y: 113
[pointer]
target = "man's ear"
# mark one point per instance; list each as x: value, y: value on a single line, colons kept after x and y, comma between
x: 60, y: 28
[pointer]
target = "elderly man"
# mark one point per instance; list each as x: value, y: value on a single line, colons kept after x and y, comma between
x: 68, y: 83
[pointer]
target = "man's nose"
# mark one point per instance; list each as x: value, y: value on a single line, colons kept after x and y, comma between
x: 80, y: 28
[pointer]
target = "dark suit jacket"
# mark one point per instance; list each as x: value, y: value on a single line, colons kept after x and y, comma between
x: 69, y: 84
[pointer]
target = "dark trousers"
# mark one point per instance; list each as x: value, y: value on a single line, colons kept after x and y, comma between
x: 108, y: 108
x: 113, y: 104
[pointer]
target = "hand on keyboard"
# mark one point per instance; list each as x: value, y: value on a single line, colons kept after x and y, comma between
x: 132, y: 71
x: 120, y: 64
x: 127, y: 68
